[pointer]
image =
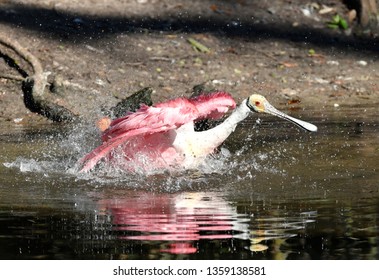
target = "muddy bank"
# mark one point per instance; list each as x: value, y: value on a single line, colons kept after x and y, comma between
x: 99, y: 53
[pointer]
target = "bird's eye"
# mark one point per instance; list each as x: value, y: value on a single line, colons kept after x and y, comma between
x: 257, y: 103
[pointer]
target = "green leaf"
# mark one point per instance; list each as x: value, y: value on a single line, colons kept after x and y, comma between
x: 338, y: 22
x: 332, y: 25
x: 198, y: 46
x: 336, y: 19
x: 343, y: 24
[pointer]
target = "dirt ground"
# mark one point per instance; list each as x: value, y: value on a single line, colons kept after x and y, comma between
x: 104, y: 50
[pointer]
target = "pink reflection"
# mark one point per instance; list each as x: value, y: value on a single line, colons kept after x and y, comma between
x: 180, y: 218
x: 180, y: 248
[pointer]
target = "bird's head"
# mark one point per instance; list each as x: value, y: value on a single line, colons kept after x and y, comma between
x: 256, y: 103
x: 259, y: 104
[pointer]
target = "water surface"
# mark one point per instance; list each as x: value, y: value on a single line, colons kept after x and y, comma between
x: 274, y: 192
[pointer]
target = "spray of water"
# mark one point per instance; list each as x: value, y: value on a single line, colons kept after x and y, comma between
x: 60, y: 158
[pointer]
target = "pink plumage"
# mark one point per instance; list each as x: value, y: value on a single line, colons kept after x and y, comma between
x: 148, y: 137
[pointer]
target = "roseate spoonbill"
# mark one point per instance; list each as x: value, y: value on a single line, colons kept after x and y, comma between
x: 163, y: 135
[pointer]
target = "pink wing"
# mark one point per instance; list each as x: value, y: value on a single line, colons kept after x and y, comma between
x: 159, y: 118
x: 213, y: 106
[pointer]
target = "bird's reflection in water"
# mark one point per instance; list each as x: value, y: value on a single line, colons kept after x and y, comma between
x: 182, y: 220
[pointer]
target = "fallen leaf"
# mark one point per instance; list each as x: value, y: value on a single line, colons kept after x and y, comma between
x: 352, y: 15
x: 289, y: 64
x: 293, y: 101
x: 214, y: 8
x: 325, y: 10
x: 198, y: 46
x: 311, y: 52
x: 232, y: 50
x: 321, y: 81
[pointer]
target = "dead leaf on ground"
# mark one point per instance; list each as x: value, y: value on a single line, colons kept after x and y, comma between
x: 289, y: 64
x: 293, y: 101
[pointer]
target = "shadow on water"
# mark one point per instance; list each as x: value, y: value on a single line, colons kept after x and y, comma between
x: 273, y: 193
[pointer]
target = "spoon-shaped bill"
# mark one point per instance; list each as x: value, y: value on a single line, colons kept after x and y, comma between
x: 305, y: 125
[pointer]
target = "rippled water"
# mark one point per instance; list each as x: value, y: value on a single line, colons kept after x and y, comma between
x: 274, y: 192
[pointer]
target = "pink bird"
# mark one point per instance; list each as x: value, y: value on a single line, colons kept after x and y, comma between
x: 163, y: 136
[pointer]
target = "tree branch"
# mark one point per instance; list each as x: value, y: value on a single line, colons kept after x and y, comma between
x: 33, y: 86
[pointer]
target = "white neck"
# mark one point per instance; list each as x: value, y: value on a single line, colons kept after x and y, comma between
x: 218, y: 134
x: 195, y: 145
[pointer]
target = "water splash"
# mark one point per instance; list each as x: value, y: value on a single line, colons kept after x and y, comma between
x: 58, y: 154
x: 29, y: 165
